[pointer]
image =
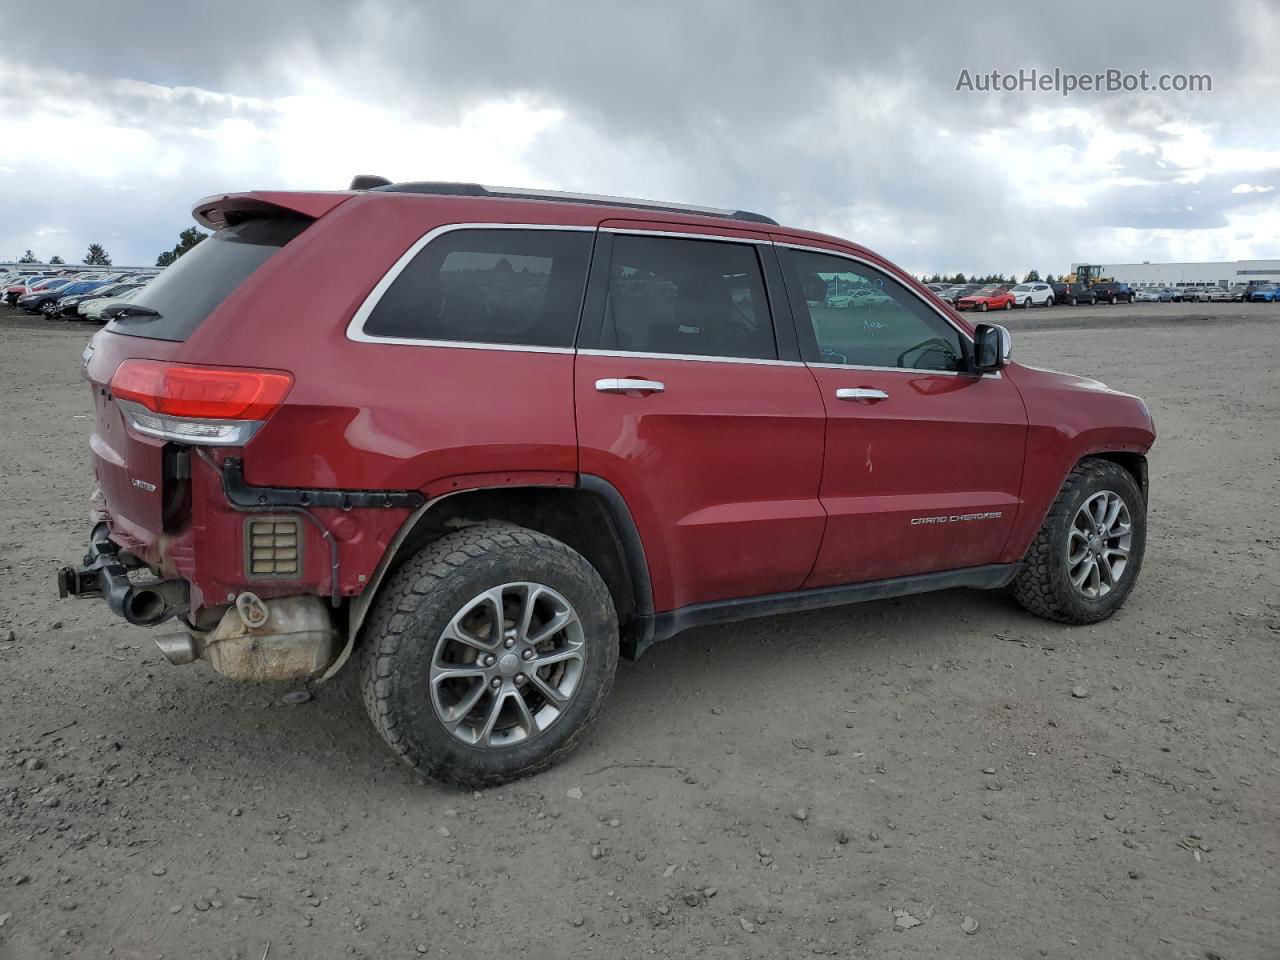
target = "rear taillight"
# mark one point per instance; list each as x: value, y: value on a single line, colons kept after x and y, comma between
x: 198, y: 404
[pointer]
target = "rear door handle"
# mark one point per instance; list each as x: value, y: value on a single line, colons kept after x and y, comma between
x: 629, y: 385
x: 860, y: 393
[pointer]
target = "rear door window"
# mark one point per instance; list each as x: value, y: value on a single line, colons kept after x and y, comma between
x: 687, y: 297
x: 521, y: 287
x: 186, y: 292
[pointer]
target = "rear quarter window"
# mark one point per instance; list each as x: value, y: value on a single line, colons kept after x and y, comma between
x: 185, y: 293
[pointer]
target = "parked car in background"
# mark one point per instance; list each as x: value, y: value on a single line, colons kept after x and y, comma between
x: 37, y: 295
x: 1234, y: 293
x: 992, y: 297
x: 68, y: 305
x: 1264, y: 294
x: 104, y: 308
x: 1149, y: 295
x: 1033, y: 295
x: 22, y: 286
x: 49, y: 301
x: 954, y: 293
x: 1073, y: 294
x: 1110, y: 291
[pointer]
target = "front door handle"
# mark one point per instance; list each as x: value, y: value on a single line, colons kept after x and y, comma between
x: 860, y: 393
x: 629, y: 385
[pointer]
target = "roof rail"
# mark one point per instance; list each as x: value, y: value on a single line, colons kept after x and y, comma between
x: 451, y: 189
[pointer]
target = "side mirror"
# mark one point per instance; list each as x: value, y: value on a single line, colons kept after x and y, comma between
x: 992, y: 347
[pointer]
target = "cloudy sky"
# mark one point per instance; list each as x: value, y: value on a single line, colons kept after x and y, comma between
x: 838, y: 116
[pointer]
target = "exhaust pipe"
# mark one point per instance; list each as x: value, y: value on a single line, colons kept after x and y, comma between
x: 154, y: 603
x: 178, y: 648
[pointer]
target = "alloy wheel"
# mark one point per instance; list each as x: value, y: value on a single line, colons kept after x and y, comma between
x: 507, y: 665
x: 1098, y: 544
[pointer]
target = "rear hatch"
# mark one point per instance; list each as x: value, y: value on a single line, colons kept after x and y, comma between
x: 140, y: 477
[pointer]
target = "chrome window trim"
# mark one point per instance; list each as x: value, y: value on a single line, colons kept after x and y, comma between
x: 690, y: 356
x: 862, y: 366
x: 915, y: 371
x: 682, y: 235
x: 460, y: 344
x: 355, y: 329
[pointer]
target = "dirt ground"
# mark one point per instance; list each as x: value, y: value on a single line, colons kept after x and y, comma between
x: 770, y: 789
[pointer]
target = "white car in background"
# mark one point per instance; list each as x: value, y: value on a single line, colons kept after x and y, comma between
x: 93, y: 309
x: 1033, y: 294
x: 1236, y: 292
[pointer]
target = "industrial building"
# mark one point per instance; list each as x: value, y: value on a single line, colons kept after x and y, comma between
x: 1222, y: 274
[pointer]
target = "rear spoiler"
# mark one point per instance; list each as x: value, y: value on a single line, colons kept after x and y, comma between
x: 222, y: 210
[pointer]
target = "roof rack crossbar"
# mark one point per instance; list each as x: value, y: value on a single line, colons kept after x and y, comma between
x: 447, y: 188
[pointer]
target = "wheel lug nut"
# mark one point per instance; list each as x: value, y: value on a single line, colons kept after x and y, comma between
x: 490, y: 660
x: 509, y: 643
x: 495, y: 683
x: 520, y: 678
x: 527, y: 654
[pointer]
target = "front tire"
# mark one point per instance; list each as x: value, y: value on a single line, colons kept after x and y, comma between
x: 488, y: 654
x: 1086, y: 558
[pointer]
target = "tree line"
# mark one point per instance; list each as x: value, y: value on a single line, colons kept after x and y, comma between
x: 1032, y: 276
x: 97, y: 256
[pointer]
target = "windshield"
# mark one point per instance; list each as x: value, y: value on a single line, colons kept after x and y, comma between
x: 194, y: 286
x: 988, y: 292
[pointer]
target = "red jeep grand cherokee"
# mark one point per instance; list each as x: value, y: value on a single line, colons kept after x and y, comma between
x: 481, y: 442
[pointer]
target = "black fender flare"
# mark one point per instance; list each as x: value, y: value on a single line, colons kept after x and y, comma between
x: 624, y: 527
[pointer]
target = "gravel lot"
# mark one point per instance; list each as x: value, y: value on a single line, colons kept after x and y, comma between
x: 772, y: 789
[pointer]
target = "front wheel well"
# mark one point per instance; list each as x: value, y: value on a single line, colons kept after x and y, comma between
x: 1135, y: 463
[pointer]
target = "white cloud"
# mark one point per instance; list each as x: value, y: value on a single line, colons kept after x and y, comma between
x: 866, y: 140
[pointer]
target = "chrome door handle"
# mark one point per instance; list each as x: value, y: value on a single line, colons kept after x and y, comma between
x: 860, y: 393
x: 629, y: 385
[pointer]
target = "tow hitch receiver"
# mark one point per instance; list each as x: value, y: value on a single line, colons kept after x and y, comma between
x: 104, y: 574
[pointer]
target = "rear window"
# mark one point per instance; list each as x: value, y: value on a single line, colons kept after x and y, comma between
x: 518, y: 286
x: 193, y: 287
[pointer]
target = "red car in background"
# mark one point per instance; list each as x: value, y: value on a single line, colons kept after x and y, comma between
x: 988, y: 298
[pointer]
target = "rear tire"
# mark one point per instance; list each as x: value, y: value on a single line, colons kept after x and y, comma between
x: 428, y: 680
x: 1046, y: 583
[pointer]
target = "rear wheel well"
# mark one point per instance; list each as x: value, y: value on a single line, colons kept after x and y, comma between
x: 576, y: 517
